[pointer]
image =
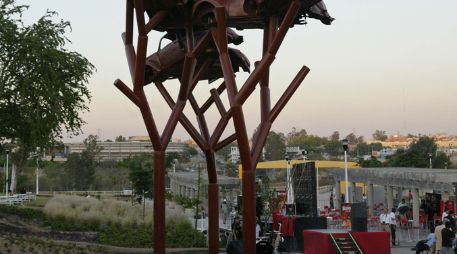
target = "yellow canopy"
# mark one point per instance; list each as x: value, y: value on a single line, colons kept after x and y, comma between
x: 282, y: 164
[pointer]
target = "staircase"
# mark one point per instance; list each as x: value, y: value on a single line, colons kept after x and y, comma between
x: 345, y: 244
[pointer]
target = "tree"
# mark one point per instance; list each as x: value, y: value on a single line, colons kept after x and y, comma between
x: 371, y: 163
x: 275, y: 146
x: 120, y: 139
x: 352, y: 139
x: 42, y: 84
x: 80, y: 168
x: 417, y: 155
x: 441, y: 160
x: 141, y: 176
x: 363, y: 149
x: 379, y: 135
x: 295, y: 133
x: 335, y: 136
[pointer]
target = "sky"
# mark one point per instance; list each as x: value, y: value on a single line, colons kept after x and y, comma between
x: 388, y: 65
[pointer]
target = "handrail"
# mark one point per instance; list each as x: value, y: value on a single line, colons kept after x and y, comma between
x: 355, y: 242
x: 336, y: 244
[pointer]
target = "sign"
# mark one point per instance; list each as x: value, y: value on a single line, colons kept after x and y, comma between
x: 293, y: 149
x: 433, y: 200
x: 346, y: 215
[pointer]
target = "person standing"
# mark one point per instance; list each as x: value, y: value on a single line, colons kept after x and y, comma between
x: 447, y: 235
x: 439, y: 239
x: 382, y: 220
x: 450, y: 217
x: 332, y: 206
x: 391, y: 220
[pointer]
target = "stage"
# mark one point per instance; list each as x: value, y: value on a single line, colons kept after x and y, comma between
x: 320, y: 241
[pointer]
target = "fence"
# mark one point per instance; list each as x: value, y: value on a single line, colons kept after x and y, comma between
x: 16, y: 199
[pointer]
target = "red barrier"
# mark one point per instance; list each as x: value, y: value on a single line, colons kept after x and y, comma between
x: 315, y: 242
x: 373, y: 242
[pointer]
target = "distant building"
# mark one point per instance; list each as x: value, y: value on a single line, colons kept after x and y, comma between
x: 234, y: 154
x: 121, y: 150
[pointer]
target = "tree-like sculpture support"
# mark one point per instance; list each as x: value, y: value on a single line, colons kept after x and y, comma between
x: 210, y: 17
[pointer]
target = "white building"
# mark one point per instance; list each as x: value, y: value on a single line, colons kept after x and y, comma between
x: 121, y: 150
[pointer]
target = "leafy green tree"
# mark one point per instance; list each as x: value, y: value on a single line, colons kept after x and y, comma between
x: 363, y: 148
x: 335, y: 136
x: 380, y: 135
x: 334, y: 148
x: 275, y: 146
x: 376, y: 147
x: 120, y: 138
x: 42, y: 84
x: 352, y: 139
x: 231, y: 169
x: 141, y: 176
x: 417, y: 155
x: 80, y: 168
x: 441, y: 161
x: 371, y: 163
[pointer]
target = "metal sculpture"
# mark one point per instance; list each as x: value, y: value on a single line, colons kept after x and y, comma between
x: 200, y: 31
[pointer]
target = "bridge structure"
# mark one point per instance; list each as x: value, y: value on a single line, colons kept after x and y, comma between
x: 200, y: 32
x: 397, y: 179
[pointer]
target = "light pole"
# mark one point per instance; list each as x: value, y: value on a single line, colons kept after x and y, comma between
x: 290, y: 191
x: 430, y: 159
x: 345, y: 143
x: 37, y: 176
x: 6, y: 187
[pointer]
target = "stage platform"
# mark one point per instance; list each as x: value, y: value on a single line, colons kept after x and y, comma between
x: 320, y: 241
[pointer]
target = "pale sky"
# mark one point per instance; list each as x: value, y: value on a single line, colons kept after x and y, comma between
x: 389, y: 65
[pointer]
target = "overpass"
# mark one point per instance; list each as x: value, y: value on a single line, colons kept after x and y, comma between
x: 397, y: 178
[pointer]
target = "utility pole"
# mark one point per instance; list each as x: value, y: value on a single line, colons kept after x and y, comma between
x: 6, y: 187
x: 37, y: 177
x: 198, y: 194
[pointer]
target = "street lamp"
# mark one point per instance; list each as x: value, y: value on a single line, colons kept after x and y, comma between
x: 430, y: 159
x: 290, y: 191
x: 6, y: 187
x: 345, y: 144
x: 37, y: 175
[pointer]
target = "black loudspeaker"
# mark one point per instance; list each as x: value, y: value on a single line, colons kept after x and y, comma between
x: 359, y: 217
x: 290, y: 209
x: 303, y: 223
x: 239, y: 203
x: 304, y: 184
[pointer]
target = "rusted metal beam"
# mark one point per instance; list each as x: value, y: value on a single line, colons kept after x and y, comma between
x: 288, y: 93
x: 241, y: 133
x: 210, y: 100
x: 159, y: 202
x: 140, y: 17
x: 228, y: 140
x: 182, y: 119
x: 127, y: 92
x: 140, y: 63
x: 217, y: 100
x: 268, y: 58
x: 154, y: 21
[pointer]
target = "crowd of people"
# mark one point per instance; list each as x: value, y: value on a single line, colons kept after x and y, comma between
x: 441, y: 239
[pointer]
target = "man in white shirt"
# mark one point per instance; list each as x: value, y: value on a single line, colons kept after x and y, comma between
x: 391, y: 220
x: 382, y: 220
x: 444, y: 215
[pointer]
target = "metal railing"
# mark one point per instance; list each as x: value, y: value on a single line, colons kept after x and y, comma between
x: 16, y: 199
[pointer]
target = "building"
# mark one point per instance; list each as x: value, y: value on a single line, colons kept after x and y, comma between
x: 234, y: 154
x: 121, y: 150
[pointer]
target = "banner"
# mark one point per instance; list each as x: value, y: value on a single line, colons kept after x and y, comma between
x: 433, y: 201
x: 346, y: 215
